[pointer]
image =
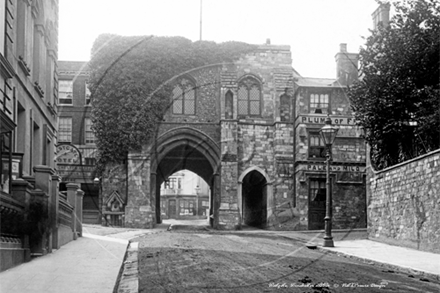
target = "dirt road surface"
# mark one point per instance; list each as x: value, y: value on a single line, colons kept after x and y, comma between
x: 203, y: 261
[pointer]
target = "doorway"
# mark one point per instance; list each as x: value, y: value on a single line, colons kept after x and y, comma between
x: 317, y: 203
x: 254, y: 197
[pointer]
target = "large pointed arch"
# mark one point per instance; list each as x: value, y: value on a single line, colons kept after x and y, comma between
x: 185, y: 148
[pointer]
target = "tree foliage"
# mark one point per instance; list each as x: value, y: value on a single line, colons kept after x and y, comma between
x: 397, y: 100
x: 130, y: 87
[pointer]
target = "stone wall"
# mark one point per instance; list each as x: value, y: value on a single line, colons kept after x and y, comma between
x: 404, y: 203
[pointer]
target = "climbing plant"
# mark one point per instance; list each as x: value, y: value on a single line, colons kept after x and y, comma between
x: 130, y: 85
x: 397, y: 99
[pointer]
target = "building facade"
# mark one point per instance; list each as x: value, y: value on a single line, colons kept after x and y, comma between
x: 184, y: 195
x: 28, y: 112
x: 314, y: 100
x: 249, y: 129
x: 76, y: 136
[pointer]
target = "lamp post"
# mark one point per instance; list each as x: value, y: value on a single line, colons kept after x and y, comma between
x: 328, y: 133
x: 97, y: 182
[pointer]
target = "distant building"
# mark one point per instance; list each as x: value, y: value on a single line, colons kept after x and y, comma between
x: 75, y: 129
x: 184, y: 195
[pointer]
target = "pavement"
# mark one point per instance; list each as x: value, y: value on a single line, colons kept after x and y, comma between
x: 93, y: 263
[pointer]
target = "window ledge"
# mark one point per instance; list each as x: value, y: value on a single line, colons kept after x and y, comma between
x: 24, y: 66
x: 39, y: 90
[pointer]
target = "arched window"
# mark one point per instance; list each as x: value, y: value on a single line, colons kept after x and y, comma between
x: 285, y: 107
x: 249, y: 97
x: 184, y: 98
x: 229, y: 107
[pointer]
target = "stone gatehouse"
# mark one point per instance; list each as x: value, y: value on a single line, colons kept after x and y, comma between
x: 233, y: 124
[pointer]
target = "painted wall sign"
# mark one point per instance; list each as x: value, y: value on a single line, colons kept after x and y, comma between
x: 321, y: 120
x: 333, y: 168
x: 67, y: 154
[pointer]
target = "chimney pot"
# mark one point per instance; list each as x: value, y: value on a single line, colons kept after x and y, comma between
x: 267, y: 41
x: 343, y: 48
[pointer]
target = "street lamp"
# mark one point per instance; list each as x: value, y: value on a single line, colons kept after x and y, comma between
x: 97, y: 182
x: 328, y: 134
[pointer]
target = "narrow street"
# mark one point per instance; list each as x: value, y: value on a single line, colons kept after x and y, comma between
x: 191, y: 259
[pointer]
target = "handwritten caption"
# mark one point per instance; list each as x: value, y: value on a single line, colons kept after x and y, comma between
x: 327, y: 285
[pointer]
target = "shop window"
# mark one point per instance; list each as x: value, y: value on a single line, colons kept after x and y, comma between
x: 316, y: 146
x: 65, y: 96
x: 317, y: 190
x: 187, y: 207
x: 65, y: 130
x: 249, y: 97
x: 319, y: 103
x: 184, y: 98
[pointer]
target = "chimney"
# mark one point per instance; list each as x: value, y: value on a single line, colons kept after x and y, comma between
x: 346, y: 66
x: 381, y: 15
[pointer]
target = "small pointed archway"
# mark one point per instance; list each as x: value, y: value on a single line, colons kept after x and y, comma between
x: 254, y: 196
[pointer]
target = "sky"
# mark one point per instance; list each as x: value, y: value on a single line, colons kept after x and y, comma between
x: 312, y: 28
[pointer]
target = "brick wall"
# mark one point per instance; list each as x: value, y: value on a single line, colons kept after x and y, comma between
x: 404, y: 203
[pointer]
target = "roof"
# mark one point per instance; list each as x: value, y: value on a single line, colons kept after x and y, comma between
x: 69, y: 66
x: 317, y: 82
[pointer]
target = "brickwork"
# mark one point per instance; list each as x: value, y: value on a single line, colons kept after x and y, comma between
x: 404, y: 201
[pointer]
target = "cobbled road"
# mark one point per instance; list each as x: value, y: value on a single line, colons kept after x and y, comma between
x: 200, y: 261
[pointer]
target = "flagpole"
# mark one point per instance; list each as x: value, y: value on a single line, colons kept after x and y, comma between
x: 201, y: 19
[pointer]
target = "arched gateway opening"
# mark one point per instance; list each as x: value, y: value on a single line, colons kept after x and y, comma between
x: 186, y: 149
x: 254, y: 199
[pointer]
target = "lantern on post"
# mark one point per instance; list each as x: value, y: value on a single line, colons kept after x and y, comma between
x: 328, y: 133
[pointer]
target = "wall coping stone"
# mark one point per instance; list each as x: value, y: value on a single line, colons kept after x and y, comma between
x: 421, y: 157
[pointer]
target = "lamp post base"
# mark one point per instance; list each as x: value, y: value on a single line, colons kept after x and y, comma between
x: 328, y: 241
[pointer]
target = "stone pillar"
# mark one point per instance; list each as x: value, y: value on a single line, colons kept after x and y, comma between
x: 54, y: 204
x: 71, y: 198
x: 43, y: 181
x: 43, y: 178
x: 217, y: 200
x: 154, y: 196
x: 79, y: 211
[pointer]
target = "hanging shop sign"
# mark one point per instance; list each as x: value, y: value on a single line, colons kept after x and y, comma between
x: 67, y: 154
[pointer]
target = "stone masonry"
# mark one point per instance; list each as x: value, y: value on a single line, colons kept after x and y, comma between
x: 404, y: 203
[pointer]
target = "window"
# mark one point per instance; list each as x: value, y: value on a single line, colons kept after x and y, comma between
x: 89, y: 135
x: 65, y: 96
x: 316, y: 146
x: 184, y: 98
x: 285, y: 107
x: 87, y: 94
x: 65, y: 130
x: 2, y: 26
x: 187, y: 207
x: 249, y: 97
x: 90, y: 161
x: 229, y: 108
x: 170, y: 183
x: 317, y: 190
x: 319, y: 102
